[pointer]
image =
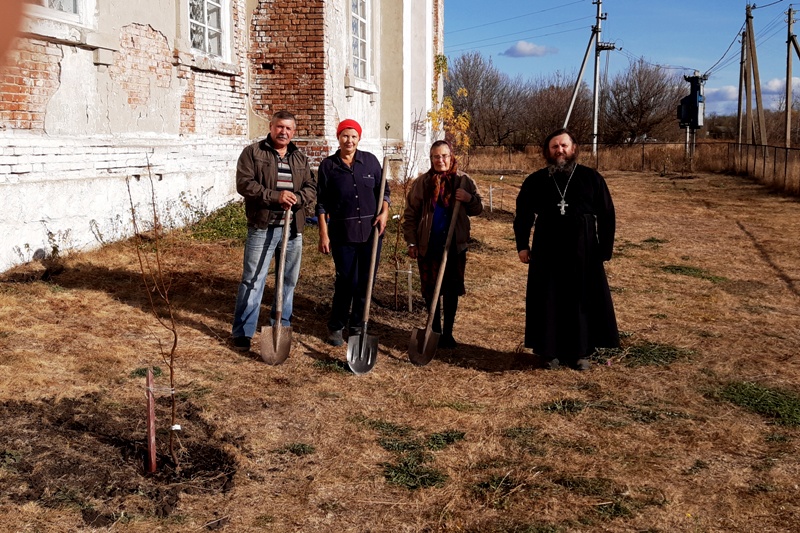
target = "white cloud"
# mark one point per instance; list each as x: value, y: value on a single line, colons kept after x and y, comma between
x: 725, y: 100
x: 526, y: 49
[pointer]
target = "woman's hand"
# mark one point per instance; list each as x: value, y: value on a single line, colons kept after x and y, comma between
x: 412, y: 252
x: 463, y: 196
x: 324, y: 245
x: 524, y: 256
x: 382, y: 219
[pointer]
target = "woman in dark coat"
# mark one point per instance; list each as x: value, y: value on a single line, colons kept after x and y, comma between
x: 429, y: 210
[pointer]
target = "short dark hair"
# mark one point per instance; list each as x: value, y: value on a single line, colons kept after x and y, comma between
x: 283, y: 115
x: 560, y: 131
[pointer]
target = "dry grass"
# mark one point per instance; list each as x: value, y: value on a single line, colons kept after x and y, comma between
x: 653, y: 438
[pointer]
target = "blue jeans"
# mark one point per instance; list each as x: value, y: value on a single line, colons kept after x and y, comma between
x: 261, y: 245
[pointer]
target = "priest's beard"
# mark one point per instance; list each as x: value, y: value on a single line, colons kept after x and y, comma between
x: 561, y: 164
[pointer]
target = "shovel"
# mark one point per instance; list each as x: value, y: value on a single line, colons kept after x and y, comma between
x: 423, y: 343
x: 362, y: 349
x: 276, y: 340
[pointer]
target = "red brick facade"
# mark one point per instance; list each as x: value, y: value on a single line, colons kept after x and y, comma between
x: 143, y: 56
x: 27, y: 82
x: 287, y: 62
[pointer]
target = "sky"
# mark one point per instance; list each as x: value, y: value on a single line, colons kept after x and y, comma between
x: 537, y: 39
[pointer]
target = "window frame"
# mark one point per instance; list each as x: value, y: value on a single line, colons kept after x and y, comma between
x: 84, y: 11
x: 357, y: 20
x: 224, y: 29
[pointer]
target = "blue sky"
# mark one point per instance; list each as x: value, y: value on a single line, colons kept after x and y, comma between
x: 534, y: 39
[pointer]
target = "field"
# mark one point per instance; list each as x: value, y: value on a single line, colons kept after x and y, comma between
x: 691, y: 426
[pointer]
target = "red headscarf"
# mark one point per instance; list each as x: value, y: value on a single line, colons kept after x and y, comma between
x: 348, y: 123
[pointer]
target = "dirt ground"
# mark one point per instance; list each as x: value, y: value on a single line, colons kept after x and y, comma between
x: 706, y: 268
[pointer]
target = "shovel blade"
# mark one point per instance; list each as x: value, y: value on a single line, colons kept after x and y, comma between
x: 275, y: 344
x: 362, y: 352
x: 422, y: 347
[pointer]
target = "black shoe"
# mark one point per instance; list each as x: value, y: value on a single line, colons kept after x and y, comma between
x: 552, y: 364
x: 242, y: 344
x: 583, y: 364
x: 447, y: 341
x: 335, y: 337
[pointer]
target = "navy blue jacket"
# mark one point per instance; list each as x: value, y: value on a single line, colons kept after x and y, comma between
x: 349, y: 196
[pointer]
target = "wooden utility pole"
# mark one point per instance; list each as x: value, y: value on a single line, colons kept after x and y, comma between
x: 791, y: 41
x: 789, y: 37
x: 759, y: 123
x: 742, y: 67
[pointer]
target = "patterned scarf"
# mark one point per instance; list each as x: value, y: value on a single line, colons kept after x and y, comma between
x: 441, y: 187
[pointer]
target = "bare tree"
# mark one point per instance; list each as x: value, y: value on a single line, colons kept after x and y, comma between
x: 641, y: 102
x: 491, y: 98
x: 545, y: 108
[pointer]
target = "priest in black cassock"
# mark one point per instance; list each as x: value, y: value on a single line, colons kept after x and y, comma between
x: 568, y: 311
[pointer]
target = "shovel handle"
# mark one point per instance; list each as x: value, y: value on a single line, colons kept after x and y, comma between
x: 287, y: 222
x: 375, y: 237
x: 442, y: 265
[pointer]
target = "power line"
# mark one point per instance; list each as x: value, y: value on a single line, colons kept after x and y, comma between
x: 736, y: 38
x: 519, y: 32
x: 514, y: 18
x: 516, y: 40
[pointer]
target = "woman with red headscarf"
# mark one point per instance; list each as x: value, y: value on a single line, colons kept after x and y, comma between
x: 348, y: 186
x: 429, y: 210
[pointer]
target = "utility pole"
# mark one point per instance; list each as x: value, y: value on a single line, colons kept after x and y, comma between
x: 760, y: 127
x: 739, y: 123
x: 598, y: 47
x: 791, y: 41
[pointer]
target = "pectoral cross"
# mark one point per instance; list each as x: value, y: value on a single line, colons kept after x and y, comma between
x: 562, y: 204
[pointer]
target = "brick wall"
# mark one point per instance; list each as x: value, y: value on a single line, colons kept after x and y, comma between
x: 27, y: 82
x: 287, y: 60
x: 143, y: 57
x: 218, y: 104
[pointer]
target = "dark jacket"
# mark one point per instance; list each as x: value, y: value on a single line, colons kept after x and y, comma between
x: 256, y: 179
x: 418, y: 216
x: 349, y: 196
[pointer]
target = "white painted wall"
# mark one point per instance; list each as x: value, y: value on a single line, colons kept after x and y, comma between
x: 72, y: 192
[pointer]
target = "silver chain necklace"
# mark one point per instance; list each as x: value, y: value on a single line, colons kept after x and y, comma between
x: 562, y: 204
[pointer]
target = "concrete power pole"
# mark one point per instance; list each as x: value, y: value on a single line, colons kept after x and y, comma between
x: 752, y: 60
x: 788, y: 136
x: 791, y: 42
x: 598, y: 47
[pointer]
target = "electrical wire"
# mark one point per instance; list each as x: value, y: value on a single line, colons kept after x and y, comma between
x: 519, y: 32
x: 514, y: 18
x: 516, y: 40
x: 772, y: 4
x: 736, y: 38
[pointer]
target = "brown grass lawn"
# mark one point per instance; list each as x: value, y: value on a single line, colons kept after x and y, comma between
x: 655, y: 437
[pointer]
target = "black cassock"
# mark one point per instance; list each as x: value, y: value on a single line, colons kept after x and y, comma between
x: 569, y: 311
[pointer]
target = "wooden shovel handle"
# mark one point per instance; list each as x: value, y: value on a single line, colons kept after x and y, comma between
x: 287, y: 222
x: 442, y: 265
x: 375, y: 237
